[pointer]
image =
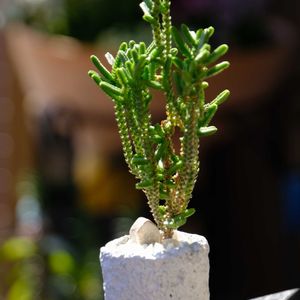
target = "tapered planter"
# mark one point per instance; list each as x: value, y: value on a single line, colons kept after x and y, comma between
x: 174, y: 269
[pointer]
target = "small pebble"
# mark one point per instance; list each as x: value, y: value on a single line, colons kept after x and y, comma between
x: 143, y: 231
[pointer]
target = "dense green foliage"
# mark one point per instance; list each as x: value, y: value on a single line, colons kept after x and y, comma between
x: 47, y: 269
x: 177, y: 63
x: 84, y: 20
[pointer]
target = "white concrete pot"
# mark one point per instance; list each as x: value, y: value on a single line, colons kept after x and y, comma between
x: 174, y: 269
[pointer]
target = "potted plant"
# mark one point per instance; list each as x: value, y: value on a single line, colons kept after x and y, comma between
x: 157, y: 261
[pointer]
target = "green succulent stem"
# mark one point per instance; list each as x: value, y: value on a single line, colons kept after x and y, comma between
x: 124, y: 134
x: 166, y: 26
x: 156, y: 25
x: 177, y: 62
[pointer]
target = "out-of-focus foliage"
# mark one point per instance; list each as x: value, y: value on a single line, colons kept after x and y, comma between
x: 47, y: 269
x: 82, y: 19
x: 245, y: 25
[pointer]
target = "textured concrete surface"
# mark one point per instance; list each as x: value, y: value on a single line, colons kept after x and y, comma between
x: 176, y: 269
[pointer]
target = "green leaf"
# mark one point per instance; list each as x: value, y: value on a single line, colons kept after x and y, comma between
x: 217, y: 53
x: 178, y: 83
x: 139, y: 160
x: 163, y: 195
x: 175, y: 158
x: 222, y: 97
x: 152, y: 70
x: 160, y: 176
x: 190, y: 36
x: 187, y: 77
x: 147, y: 99
x: 95, y: 76
x: 154, y: 84
x: 175, y: 167
x: 210, y: 31
x: 175, y: 222
x: 149, y: 3
x: 122, y: 57
x: 157, y: 138
x: 202, y: 56
x: 123, y: 46
x: 140, y: 63
x: 170, y: 183
x: 217, y: 69
x: 151, y: 47
x: 111, y: 90
x: 145, y: 168
x: 146, y: 7
x: 123, y: 76
x: 189, y: 212
x: 180, y: 219
x: 129, y: 67
x: 155, y: 53
x: 101, y: 68
x: 204, y: 35
x: 149, y: 19
x: 178, y: 63
x: 167, y: 66
x: 146, y: 74
x: 208, y: 115
x: 158, y: 129
x: 131, y: 43
x: 142, y: 48
x: 206, y: 131
x: 199, y: 34
x: 146, y: 183
x: 134, y: 54
x: 162, y: 210
x: 206, y: 46
x: 182, y: 47
x: 160, y: 152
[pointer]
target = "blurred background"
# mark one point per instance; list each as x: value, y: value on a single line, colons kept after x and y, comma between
x: 64, y: 187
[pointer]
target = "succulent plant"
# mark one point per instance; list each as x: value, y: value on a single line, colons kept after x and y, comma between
x: 177, y: 63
